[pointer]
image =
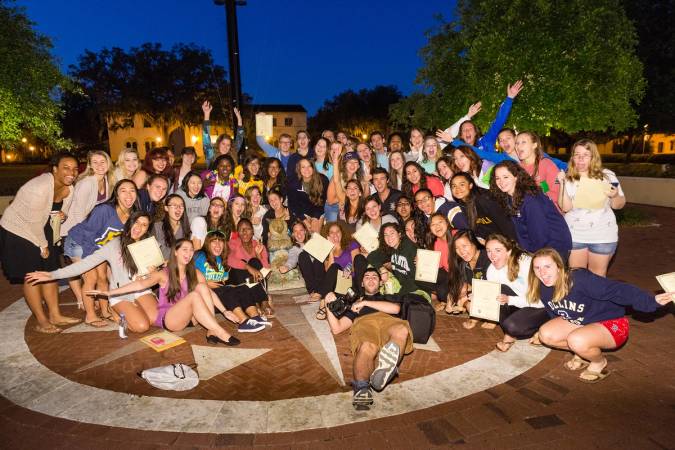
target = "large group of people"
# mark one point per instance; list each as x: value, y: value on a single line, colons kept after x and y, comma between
x: 495, y: 205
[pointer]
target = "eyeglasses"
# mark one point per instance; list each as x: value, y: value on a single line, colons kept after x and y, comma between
x: 399, y: 204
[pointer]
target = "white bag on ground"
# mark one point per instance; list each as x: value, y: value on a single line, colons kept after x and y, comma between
x: 174, y: 377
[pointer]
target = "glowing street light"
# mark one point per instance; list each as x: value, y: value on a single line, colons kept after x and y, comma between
x: 24, y: 140
x: 31, y: 148
x: 364, y: 136
x: 194, y: 139
x: 158, y: 139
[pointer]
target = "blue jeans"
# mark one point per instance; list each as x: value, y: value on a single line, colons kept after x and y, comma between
x: 71, y: 248
x: 331, y: 212
x: 605, y: 248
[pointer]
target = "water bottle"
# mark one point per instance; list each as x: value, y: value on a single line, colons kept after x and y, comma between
x: 123, y: 327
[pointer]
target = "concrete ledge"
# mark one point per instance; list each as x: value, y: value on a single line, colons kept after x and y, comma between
x: 649, y: 191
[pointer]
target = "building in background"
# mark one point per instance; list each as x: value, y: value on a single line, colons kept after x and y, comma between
x: 285, y: 118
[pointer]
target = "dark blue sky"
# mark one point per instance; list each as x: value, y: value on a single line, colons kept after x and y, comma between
x: 292, y: 51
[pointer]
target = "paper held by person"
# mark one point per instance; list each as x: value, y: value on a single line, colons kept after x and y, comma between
x: 367, y: 237
x: 318, y: 247
x: 146, y: 253
x: 427, y: 265
x: 343, y: 283
x: 667, y: 281
x: 591, y: 193
x: 263, y: 125
x: 484, y: 304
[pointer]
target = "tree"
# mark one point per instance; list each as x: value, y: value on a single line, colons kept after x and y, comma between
x: 164, y: 86
x: 30, y: 81
x: 577, y: 59
x: 356, y: 113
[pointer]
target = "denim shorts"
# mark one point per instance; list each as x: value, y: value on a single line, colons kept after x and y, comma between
x: 604, y: 248
x: 71, y: 248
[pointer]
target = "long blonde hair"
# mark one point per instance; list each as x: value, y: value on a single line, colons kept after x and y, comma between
x: 89, y: 171
x: 562, y: 284
x: 594, y: 166
x: 119, y: 164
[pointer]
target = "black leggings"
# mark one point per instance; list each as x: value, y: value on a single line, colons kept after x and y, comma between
x: 239, y: 276
x: 441, y: 287
x: 521, y: 323
x: 313, y: 272
x: 238, y: 296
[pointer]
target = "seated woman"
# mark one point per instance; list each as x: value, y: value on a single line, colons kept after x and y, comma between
x: 276, y: 210
x: 255, y: 210
x: 484, y: 214
x: 312, y: 270
x: 396, y: 254
x: 352, y: 208
x: 307, y: 195
x: 173, y: 226
x: 537, y: 221
x: 105, y: 222
x: 341, y: 262
x: 371, y: 214
x: 414, y: 178
x: 239, y: 299
x: 192, y: 191
x: 595, y: 234
x: 215, y: 219
x: 184, y: 296
x: 140, y: 307
x: 246, y: 257
x: 510, y: 266
x: 219, y: 180
x: 587, y: 310
x: 468, y: 260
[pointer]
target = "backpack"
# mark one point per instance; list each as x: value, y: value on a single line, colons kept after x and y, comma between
x: 174, y: 377
x: 417, y: 310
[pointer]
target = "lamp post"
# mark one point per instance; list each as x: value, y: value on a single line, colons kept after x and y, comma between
x: 645, y: 137
x: 233, y: 52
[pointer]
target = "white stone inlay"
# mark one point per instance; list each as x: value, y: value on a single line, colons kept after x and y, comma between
x: 212, y: 361
x: 29, y: 384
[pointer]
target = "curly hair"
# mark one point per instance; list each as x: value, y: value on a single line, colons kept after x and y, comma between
x: 280, y: 182
x: 346, y: 235
x: 525, y: 185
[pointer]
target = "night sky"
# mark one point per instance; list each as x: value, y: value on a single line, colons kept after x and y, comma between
x: 292, y: 51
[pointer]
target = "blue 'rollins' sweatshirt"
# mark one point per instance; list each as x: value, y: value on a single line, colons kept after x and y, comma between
x: 101, y: 227
x: 594, y: 299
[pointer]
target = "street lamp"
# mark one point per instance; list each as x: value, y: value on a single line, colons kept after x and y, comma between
x: 24, y: 140
x: 233, y: 51
x: 645, y: 137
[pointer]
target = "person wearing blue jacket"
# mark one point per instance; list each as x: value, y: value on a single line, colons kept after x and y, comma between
x: 587, y: 311
x: 536, y: 219
x: 104, y: 223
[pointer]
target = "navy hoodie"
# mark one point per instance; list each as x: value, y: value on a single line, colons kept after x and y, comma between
x: 595, y: 299
x: 539, y: 224
x: 101, y: 227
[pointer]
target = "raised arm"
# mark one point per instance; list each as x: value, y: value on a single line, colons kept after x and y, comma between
x: 209, y: 152
x: 239, y: 135
x: 490, y: 136
x: 450, y: 133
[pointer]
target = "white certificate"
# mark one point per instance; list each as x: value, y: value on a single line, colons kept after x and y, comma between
x: 367, y: 237
x: 343, y: 283
x: 318, y: 246
x: 263, y: 125
x: 484, y: 304
x: 428, y: 263
x: 667, y: 281
x: 146, y: 253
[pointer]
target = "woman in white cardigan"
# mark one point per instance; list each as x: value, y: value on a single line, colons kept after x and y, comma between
x: 91, y: 188
x: 28, y: 230
x: 510, y: 266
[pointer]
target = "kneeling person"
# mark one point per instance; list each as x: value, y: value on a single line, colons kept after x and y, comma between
x: 375, y: 332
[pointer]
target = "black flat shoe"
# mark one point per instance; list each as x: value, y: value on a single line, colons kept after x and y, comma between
x: 212, y: 339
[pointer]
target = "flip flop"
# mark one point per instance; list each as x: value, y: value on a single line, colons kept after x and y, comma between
x: 51, y: 330
x: 321, y: 313
x: 488, y: 325
x: 591, y: 377
x: 470, y: 324
x: 100, y: 321
x: 576, y: 363
x: 67, y: 321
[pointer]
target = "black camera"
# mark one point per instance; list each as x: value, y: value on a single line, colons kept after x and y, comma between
x: 342, y: 303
